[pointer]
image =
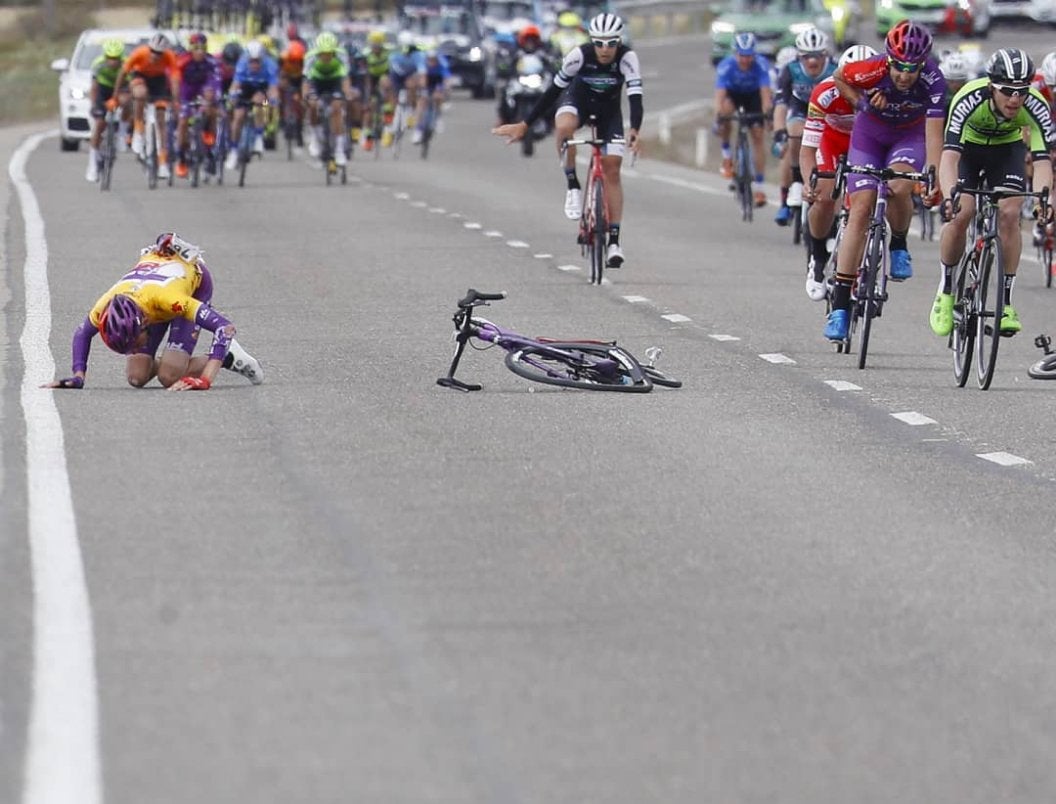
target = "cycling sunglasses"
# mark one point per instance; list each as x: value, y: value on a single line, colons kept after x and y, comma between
x: 904, y: 66
x: 606, y: 42
x: 1010, y: 91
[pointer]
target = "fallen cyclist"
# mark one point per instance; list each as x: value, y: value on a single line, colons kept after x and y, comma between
x: 167, y: 292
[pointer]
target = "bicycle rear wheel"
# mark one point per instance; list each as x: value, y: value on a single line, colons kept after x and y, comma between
x: 744, y: 183
x: 990, y: 293
x: 962, y: 337
x: 245, y: 143
x: 578, y: 365
x: 109, y: 151
x: 151, y: 144
x: 867, y: 295
x: 1046, y: 261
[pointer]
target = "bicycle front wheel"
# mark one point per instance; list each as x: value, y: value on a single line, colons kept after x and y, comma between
x: 1044, y: 369
x: 867, y: 295
x: 109, y: 149
x: 962, y: 337
x: 990, y: 293
x: 578, y: 365
x: 1046, y: 262
x: 597, y: 266
x: 659, y: 378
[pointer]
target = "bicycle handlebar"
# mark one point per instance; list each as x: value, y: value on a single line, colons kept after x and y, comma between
x: 884, y: 174
x: 473, y: 296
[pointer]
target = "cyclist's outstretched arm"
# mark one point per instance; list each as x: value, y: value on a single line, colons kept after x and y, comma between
x: 82, y: 344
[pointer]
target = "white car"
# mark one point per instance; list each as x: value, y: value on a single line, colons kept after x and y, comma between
x: 1036, y: 10
x: 75, y: 80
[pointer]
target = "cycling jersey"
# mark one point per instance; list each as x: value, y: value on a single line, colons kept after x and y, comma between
x: 830, y: 118
x: 265, y: 76
x: 317, y: 69
x: 378, y: 62
x: 794, y: 86
x: 1039, y: 84
x: 104, y: 71
x: 198, y: 76
x: 143, y: 61
x: 602, y: 81
x: 403, y: 65
x: 290, y: 67
x: 729, y: 76
x: 925, y: 98
x: 974, y: 119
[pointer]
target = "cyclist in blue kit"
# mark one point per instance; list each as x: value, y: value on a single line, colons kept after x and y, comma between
x: 743, y: 81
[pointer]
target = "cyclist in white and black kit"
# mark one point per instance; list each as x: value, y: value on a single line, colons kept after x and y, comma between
x: 589, y: 82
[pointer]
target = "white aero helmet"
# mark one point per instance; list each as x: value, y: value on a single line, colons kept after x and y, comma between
x: 954, y: 67
x: 254, y: 50
x: 606, y: 26
x: 856, y: 53
x: 1048, y: 69
x: 159, y: 42
x: 812, y: 41
x: 785, y: 55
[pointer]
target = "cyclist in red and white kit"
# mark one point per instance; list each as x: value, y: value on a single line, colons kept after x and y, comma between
x: 826, y: 137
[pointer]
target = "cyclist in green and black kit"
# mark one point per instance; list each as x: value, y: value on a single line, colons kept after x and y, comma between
x: 326, y: 73
x: 984, y: 134
x: 104, y: 72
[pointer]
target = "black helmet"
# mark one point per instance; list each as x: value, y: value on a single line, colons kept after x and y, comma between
x: 232, y: 52
x: 1010, y: 65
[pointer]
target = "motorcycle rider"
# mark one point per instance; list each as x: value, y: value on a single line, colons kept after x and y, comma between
x: 529, y: 43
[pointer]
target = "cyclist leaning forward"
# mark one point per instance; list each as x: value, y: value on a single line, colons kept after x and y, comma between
x: 326, y: 70
x: 900, y: 100
x: 199, y: 79
x: 104, y: 70
x: 589, y: 82
x: 984, y: 135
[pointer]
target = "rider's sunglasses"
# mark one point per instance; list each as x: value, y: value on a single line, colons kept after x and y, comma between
x: 818, y: 55
x: 605, y: 42
x: 904, y: 66
x: 1012, y: 91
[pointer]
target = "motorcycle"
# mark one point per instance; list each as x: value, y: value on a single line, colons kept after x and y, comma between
x: 530, y: 80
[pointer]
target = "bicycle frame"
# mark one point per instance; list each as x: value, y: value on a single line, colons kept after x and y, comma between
x: 743, y: 169
x: 594, y: 218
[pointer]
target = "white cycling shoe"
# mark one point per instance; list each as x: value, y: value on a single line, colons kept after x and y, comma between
x: 138, y: 147
x: 340, y: 158
x: 92, y: 172
x: 573, y: 204
x: 163, y: 170
x: 614, y: 256
x: 232, y: 160
x: 816, y: 291
x: 258, y: 145
x: 416, y: 137
x: 242, y: 362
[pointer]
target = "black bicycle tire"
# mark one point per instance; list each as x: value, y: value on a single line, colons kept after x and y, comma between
x: 797, y: 225
x: 1046, y: 262
x: 598, y: 234
x: 527, y: 371
x: 244, y: 152
x: 109, y: 148
x: 744, y: 181
x: 874, y: 255
x: 659, y: 378
x: 196, y: 152
x: 986, y: 364
x: 1044, y: 369
x: 962, y: 336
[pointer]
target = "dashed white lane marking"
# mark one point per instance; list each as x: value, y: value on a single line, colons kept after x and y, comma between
x: 635, y: 299
x: 493, y: 233
x: 569, y: 268
x: 911, y: 417
x: 543, y: 256
x: 62, y: 743
x: 437, y: 210
x: 720, y: 337
x: 777, y: 357
x: 842, y: 385
x: 1003, y: 458
x: 455, y: 215
x: 676, y: 318
x: 419, y: 204
x: 471, y: 225
x: 401, y: 196
x: 516, y: 244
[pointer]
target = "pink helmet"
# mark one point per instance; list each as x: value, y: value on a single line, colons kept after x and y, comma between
x: 908, y: 41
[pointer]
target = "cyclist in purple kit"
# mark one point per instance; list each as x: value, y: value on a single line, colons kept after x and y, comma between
x: 743, y: 81
x: 900, y: 96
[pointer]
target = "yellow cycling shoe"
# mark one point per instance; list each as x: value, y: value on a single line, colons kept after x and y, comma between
x: 1010, y: 321
x: 941, y: 317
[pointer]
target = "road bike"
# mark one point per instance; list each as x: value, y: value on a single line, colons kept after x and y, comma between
x: 292, y: 119
x: 869, y: 292
x: 594, y: 217
x: 839, y: 226
x: 250, y: 131
x: 979, y: 287
x: 331, y: 167
x: 585, y: 364
x: 222, y: 142
x: 1044, y: 369
x: 400, y: 116
x: 1045, y: 249
x: 427, y: 125
x: 197, y: 154
x: 743, y: 170
x: 108, y: 152
x: 151, y: 141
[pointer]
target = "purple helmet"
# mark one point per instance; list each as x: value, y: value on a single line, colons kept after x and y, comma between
x: 120, y: 323
x: 908, y: 41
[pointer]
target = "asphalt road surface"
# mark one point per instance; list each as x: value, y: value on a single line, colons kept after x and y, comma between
x: 789, y: 581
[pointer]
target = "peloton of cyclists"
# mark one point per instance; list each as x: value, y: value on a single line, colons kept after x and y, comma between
x: 795, y: 83
x: 984, y: 135
x: 590, y: 82
x: 168, y: 291
x: 742, y: 81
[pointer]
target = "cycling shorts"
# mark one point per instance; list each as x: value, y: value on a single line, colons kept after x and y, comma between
x: 610, y: 119
x: 833, y: 145
x: 433, y: 82
x: 183, y: 334
x: 752, y: 102
x: 324, y: 87
x: 102, y: 95
x: 246, y: 94
x: 158, y: 87
x: 1000, y: 165
x: 878, y: 144
x: 797, y: 110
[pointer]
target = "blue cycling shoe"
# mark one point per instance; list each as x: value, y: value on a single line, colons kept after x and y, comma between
x: 783, y: 216
x: 839, y: 323
x: 901, y: 265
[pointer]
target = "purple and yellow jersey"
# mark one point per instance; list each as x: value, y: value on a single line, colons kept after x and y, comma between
x: 163, y: 287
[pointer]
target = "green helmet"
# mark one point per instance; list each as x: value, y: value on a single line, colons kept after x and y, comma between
x: 114, y: 48
x: 326, y: 42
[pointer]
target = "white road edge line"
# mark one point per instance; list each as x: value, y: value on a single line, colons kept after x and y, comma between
x: 912, y: 418
x: 1003, y: 458
x: 62, y: 762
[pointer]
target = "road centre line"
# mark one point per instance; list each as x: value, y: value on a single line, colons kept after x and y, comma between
x: 636, y: 299
x: 718, y: 336
x: 471, y: 225
x: 568, y: 268
x: 912, y: 418
x: 1003, y: 458
x: 493, y: 233
x: 842, y: 385
x: 778, y: 358
x: 62, y: 763
x: 676, y: 318
x: 543, y: 256
x: 516, y: 244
